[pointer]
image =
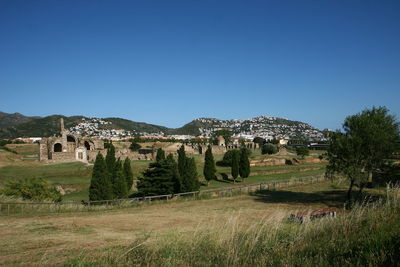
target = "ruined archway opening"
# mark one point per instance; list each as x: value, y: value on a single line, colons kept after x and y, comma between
x: 87, y: 145
x: 57, y: 147
x: 70, y: 139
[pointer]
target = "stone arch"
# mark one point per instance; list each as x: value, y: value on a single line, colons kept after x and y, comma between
x: 57, y: 147
x: 87, y: 145
x: 71, y: 138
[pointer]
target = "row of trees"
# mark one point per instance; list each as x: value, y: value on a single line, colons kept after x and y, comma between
x: 240, y: 164
x: 166, y: 176
x: 111, y: 177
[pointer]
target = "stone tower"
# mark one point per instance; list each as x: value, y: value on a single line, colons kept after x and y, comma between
x: 63, y: 134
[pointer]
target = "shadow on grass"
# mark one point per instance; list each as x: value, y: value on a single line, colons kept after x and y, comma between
x: 331, y: 198
x: 226, y: 179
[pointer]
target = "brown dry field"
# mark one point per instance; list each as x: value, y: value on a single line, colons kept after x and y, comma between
x: 54, y: 239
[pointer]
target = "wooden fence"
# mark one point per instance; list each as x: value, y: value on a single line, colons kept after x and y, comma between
x: 10, y: 208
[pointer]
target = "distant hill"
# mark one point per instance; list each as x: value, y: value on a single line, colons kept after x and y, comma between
x: 8, y: 120
x: 18, y: 125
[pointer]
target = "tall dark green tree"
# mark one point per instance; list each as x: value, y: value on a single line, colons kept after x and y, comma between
x: 190, y: 180
x: 235, y: 165
x: 100, y: 185
x: 128, y: 174
x: 175, y: 174
x: 181, y: 160
x: 364, y: 146
x: 244, y: 164
x: 158, y: 179
x: 160, y: 154
x: 209, y: 170
x: 119, y: 181
x: 110, y: 158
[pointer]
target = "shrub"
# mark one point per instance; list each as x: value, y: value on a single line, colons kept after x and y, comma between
x: 32, y: 189
x: 269, y: 149
x: 302, y: 151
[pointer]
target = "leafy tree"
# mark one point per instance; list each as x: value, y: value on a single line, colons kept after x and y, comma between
x: 259, y: 140
x: 227, y: 134
x: 110, y: 158
x: 100, y: 185
x: 269, y: 149
x: 302, y: 151
x: 128, y: 174
x: 362, y: 149
x: 227, y: 159
x: 160, y: 154
x: 119, y: 181
x: 244, y: 164
x: 135, y: 146
x: 209, y: 170
x: 31, y: 189
x: 158, y: 179
x: 235, y: 165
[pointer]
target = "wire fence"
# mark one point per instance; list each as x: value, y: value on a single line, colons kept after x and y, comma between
x: 15, y: 208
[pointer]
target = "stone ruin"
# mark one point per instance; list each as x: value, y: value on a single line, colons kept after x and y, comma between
x: 65, y: 147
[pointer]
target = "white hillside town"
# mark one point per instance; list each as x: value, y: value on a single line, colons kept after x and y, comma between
x: 263, y: 126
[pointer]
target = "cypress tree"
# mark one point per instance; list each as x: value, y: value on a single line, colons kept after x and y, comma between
x: 209, y: 165
x: 160, y: 154
x: 235, y: 165
x: 175, y: 174
x: 110, y: 158
x: 100, y: 186
x: 119, y: 185
x: 181, y: 161
x: 244, y: 165
x: 128, y: 174
x: 191, y: 182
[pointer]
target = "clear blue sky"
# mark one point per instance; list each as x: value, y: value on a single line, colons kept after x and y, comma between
x: 168, y: 62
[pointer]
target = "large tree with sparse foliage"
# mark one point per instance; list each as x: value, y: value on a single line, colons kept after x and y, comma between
x: 209, y: 170
x: 367, y: 141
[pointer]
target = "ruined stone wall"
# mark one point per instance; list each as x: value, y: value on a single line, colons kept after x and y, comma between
x: 63, y: 156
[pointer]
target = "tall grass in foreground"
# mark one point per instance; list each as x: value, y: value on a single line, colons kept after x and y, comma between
x: 369, y: 235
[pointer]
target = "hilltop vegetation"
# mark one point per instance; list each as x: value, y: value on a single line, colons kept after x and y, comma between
x: 17, y: 125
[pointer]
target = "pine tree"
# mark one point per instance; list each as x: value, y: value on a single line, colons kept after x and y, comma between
x: 209, y: 165
x: 160, y: 154
x: 158, y: 179
x: 119, y: 181
x: 235, y: 165
x: 110, y: 158
x: 244, y: 165
x: 100, y: 186
x: 128, y: 174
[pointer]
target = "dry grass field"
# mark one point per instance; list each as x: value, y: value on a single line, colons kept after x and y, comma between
x: 58, y: 238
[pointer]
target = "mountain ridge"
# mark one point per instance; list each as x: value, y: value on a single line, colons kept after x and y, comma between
x: 17, y: 125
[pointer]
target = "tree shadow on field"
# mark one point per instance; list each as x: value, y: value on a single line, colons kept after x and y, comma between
x: 331, y: 198
x: 225, y: 178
